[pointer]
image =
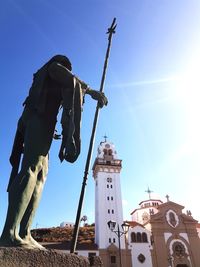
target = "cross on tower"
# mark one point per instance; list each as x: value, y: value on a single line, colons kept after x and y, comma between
x: 167, y: 197
x: 149, y: 192
x: 105, y: 137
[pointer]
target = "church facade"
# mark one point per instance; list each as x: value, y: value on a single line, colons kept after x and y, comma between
x: 160, y: 234
x: 171, y: 235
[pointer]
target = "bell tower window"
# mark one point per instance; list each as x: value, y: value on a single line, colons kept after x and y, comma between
x: 109, y: 180
x: 105, y: 152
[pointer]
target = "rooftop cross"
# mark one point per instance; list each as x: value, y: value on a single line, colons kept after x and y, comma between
x: 167, y: 197
x: 149, y: 192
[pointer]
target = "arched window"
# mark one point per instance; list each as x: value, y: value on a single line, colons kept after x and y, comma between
x: 110, y: 152
x: 172, y: 218
x: 139, y: 237
x: 144, y: 237
x: 133, y: 237
x: 109, y: 180
x: 105, y: 152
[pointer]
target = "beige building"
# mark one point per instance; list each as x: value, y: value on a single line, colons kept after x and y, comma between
x: 171, y: 236
x: 175, y: 240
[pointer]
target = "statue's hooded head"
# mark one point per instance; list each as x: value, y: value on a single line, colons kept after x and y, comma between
x: 62, y: 60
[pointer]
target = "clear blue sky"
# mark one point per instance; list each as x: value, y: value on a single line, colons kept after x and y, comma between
x: 152, y: 85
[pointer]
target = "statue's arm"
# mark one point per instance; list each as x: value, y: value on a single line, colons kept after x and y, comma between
x: 60, y: 74
x: 97, y: 95
x: 65, y: 77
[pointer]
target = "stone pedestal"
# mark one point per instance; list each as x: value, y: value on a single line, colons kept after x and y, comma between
x: 19, y: 257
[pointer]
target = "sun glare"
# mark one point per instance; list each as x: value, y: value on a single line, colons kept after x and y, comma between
x: 187, y: 93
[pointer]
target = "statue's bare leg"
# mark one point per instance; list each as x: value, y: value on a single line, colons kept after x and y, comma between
x: 26, y: 222
x: 20, y: 194
x: 38, y: 137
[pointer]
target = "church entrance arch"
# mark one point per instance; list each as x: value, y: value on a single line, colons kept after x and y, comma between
x: 180, y: 254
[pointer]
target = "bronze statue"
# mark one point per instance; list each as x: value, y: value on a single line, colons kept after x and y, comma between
x: 54, y: 86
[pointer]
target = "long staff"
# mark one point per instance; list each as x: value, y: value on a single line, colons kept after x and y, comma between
x: 110, y: 32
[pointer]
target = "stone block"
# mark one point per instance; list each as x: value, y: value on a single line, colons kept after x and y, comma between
x: 20, y: 257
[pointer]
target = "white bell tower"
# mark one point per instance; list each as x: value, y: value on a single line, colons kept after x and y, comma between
x: 108, y: 201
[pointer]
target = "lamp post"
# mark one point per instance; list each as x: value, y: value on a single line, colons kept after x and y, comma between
x: 125, y: 228
x: 170, y: 260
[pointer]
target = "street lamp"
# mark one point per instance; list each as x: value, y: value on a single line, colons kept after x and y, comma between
x: 170, y: 260
x: 125, y: 228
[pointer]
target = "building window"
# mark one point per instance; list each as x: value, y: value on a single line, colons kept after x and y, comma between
x: 151, y: 211
x: 91, y: 257
x: 105, y: 152
x: 112, y: 211
x: 108, y: 211
x: 144, y: 237
x: 109, y: 240
x: 111, y: 186
x: 112, y: 259
x: 141, y: 258
x: 107, y: 186
x: 91, y: 254
x: 113, y: 240
x: 145, y: 217
x: 133, y: 237
x: 139, y: 237
x: 107, y: 198
x: 110, y: 152
x: 109, y: 180
x: 111, y: 198
x: 172, y: 219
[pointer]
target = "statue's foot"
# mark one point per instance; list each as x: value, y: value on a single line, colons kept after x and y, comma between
x: 14, y: 242
x: 30, y: 240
